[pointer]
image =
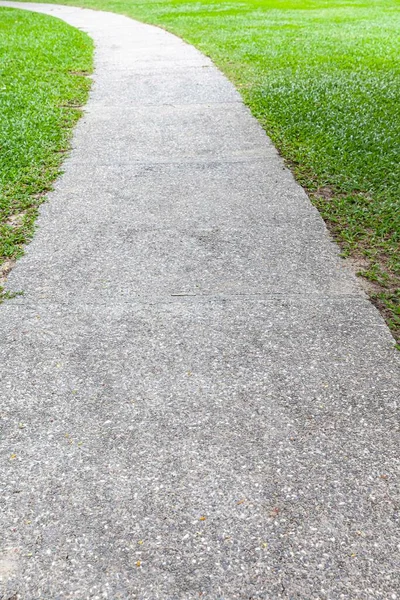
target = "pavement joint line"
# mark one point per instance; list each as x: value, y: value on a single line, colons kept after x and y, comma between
x: 199, y: 297
x: 132, y: 105
x: 136, y: 69
x: 175, y: 162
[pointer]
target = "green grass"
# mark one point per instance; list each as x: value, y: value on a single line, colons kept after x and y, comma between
x: 39, y: 104
x: 323, y: 78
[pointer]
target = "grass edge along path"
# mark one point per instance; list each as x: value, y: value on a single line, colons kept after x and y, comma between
x: 43, y: 84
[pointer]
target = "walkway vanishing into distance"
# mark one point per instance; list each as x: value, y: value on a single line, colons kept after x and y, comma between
x: 197, y: 399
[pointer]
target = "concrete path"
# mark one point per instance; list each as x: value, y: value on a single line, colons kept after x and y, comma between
x: 197, y: 399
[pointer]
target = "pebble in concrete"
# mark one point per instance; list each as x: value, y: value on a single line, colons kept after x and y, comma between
x: 197, y: 398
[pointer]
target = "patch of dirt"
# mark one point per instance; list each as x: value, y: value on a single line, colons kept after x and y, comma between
x: 15, y: 220
x: 80, y: 73
x: 358, y: 264
x: 70, y: 106
x: 5, y: 269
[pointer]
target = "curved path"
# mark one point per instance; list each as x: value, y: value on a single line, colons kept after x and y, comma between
x: 197, y: 400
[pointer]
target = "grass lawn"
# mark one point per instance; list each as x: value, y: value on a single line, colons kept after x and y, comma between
x: 323, y: 78
x: 40, y: 95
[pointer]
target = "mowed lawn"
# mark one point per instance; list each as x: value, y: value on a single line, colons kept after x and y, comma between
x: 323, y: 78
x: 43, y: 63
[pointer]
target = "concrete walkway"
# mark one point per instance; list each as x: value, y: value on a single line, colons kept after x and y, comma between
x: 197, y: 399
